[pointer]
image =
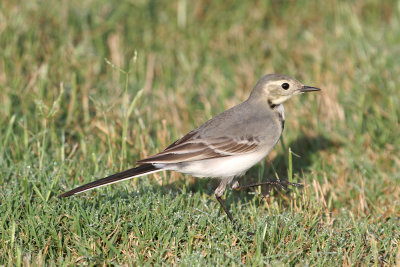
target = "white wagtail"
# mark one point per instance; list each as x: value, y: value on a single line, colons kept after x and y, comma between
x: 226, y: 146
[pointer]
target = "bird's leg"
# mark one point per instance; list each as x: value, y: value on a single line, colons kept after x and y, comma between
x: 276, y: 183
x: 218, y: 194
x: 281, y: 184
x: 225, y: 208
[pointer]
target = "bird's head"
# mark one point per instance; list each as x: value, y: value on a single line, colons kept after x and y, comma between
x: 277, y: 88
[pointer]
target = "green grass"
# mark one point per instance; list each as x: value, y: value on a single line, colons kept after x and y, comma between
x: 68, y: 116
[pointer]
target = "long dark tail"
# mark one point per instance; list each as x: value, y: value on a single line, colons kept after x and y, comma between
x: 138, y: 171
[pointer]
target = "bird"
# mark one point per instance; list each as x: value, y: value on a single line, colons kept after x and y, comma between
x: 227, y: 145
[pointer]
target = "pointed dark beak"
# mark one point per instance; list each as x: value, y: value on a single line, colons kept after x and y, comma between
x: 309, y: 89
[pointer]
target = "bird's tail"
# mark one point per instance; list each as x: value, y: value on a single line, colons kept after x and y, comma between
x: 115, y: 178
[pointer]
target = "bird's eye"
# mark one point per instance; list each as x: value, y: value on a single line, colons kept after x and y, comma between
x: 285, y: 86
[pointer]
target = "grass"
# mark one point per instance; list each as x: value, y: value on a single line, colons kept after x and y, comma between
x: 68, y: 116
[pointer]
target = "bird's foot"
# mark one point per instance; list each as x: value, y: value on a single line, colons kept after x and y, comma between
x: 278, y: 184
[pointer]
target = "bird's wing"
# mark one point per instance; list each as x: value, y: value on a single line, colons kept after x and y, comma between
x: 190, y: 149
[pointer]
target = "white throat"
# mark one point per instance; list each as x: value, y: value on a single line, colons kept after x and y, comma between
x: 281, y: 110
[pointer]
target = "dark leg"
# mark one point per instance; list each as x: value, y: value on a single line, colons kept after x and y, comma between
x: 224, y: 207
x: 281, y: 184
x: 218, y: 194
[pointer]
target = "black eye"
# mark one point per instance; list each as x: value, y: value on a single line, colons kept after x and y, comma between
x: 285, y: 86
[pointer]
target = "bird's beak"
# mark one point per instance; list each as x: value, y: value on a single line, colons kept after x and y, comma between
x: 309, y: 89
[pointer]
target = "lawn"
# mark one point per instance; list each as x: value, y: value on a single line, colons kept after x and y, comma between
x: 87, y: 88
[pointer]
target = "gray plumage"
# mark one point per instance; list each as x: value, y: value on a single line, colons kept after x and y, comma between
x: 227, y: 145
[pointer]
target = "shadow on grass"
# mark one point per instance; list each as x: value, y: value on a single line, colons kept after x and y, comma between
x: 306, y: 148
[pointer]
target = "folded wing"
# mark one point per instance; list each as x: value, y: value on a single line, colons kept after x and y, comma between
x: 190, y: 149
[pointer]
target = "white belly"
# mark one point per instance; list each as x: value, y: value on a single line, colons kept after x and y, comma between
x: 218, y: 167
